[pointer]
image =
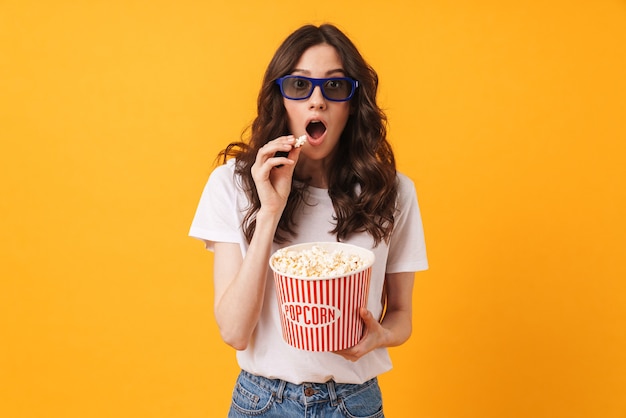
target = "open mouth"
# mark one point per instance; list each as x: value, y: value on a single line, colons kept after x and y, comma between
x: 315, y: 129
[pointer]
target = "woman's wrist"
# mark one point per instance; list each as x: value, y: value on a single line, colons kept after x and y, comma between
x: 265, y: 216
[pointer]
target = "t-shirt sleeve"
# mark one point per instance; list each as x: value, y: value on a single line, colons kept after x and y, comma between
x: 216, y: 218
x: 407, y: 249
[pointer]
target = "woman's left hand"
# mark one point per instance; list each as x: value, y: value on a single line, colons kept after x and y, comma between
x: 374, y: 336
x: 395, y: 328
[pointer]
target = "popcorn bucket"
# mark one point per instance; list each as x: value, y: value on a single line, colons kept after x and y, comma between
x: 322, y: 313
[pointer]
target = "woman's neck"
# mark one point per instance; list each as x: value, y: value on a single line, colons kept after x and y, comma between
x: 314, y: 172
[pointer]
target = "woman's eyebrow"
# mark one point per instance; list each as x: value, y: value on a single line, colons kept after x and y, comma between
x: 329, y: 72
x: 338, y: 70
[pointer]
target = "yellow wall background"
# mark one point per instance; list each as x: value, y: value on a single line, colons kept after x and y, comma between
x: 509, y: 116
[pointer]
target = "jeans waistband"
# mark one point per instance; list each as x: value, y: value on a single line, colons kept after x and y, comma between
x: 307, y: 392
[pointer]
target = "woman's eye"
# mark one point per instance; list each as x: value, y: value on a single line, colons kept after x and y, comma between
x: 300, y: 84
x: 334, y: 84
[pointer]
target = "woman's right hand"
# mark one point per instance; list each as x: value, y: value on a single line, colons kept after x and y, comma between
x: 273, y: 174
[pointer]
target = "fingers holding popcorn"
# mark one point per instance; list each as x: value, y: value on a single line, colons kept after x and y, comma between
x: 273, y: 186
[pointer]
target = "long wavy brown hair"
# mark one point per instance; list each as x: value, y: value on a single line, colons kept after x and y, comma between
x: 362, y: 175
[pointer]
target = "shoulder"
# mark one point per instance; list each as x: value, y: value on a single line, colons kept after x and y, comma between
x: 406, y: 187
x: 226, y: 170
x: 404, y: 180
x: 224, y: 183
x: 224, y: 175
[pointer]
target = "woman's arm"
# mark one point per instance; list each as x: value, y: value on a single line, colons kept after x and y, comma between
x: 240, y: 281
x: 396, y: 326
x: 240, y: 285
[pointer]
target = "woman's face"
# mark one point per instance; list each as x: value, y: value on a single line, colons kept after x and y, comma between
x: 320, y: 119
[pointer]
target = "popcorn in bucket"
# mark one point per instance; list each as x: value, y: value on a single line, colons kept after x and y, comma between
x: 320, y: 288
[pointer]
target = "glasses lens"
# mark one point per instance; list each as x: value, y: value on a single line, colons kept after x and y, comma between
x: 337, y: 89
x: 296, y: 87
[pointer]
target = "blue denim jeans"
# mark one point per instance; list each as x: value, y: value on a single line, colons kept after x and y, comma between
x: 256, y: 396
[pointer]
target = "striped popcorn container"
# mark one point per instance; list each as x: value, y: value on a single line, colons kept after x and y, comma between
x: 321, y: 312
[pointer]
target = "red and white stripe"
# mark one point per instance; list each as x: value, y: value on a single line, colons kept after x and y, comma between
x: 347, y: 294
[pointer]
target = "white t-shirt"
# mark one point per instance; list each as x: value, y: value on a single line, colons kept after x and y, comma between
x: 218, y: 219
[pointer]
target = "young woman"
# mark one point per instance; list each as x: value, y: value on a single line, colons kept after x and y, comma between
x: 341, y: 185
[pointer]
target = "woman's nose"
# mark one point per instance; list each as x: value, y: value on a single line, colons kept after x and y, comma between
x: 317, y: 99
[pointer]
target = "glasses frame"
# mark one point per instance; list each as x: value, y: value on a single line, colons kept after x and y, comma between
x: 317, y: 82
